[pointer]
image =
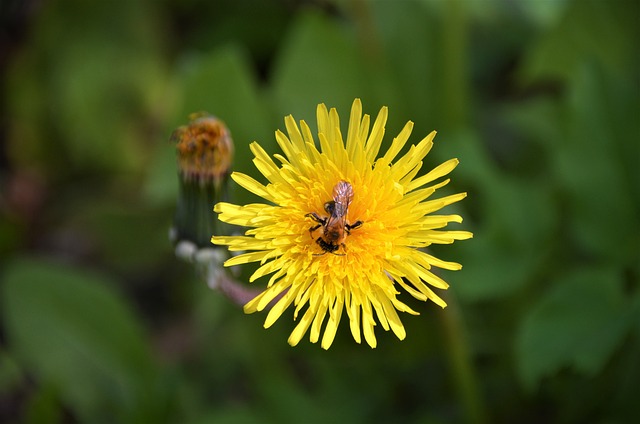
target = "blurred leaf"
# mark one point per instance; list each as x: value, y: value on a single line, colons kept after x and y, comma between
x: 516, y: 222
x: 11, y: 234
x: 477, y: 169
x: 587, y: 163
x: 10, y: 372
x: 231, y: 415
x: 275, y: 385
x: 101, y: 93
x: 590, y: 29
x: 255, y: 24
x: 26, y: 110
x: 636, y: 309
x: 94, y: 74
x: 414, y: 67
x: 579, y: 322
x: 127, y: 236
x: 538, y: 121
x: 544, y: 13
x: 161, y: 185
x: 491, y: 268
x: 74, y: 333
x: 44, y: 407
x: 318, y: 63
x: 522, y: 212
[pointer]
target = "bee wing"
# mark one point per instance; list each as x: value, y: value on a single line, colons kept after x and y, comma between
x: 343, y: 191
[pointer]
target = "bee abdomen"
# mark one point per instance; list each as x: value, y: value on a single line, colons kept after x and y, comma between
x: 327, y: 247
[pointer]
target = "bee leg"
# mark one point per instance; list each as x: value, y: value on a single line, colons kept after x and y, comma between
x: 315, y: 227
x: 353, y: 226
x: 318, y: 219
x: 333, y: 251
x: 324, y: 251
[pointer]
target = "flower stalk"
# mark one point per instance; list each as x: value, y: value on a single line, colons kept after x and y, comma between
x: 460, y: 362
x: 204, y: 154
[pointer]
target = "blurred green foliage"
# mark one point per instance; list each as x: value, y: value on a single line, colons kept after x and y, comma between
x: 538, y: 99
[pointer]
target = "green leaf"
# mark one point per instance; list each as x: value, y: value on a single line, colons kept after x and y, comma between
x: 100, y: 71
x: 10, y: 372
x: 231, y: 415
x: 515, y: 223
x: 318, y: 63
x: 161, y: 185
x: 544, y: 13
x: 590, y: 166
x: 74, y: 333
x: 590, y: 29
x: 578, y: 322
x: 522, y: 213
x: 414, y: 67
x: 130, y: 237
x: 492, y: 269
x: 44, y: 406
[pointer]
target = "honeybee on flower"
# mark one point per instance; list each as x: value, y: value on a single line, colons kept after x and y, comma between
x: 335, y: 227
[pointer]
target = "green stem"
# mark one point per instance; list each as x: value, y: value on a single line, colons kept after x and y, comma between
x: 462, y: 368
x: 195, y: 220
x: 455, y: 91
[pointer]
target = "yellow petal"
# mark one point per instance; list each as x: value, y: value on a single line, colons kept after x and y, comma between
x: 301, y: 328
x: 334, y: 319
x: 439, y: 171
x: 368, y: 324
x: 319, y: 318
x: 374, y: 141
x: 278, y: 308
x: 251, y: 185
x: 392, y: 317
x: 397, y: 144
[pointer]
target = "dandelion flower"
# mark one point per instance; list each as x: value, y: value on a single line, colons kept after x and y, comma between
x: 344, y: 227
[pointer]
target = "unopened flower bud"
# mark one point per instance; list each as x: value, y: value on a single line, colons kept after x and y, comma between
x: 204, y: 151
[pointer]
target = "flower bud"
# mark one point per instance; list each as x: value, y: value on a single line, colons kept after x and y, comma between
x: 204, y: 151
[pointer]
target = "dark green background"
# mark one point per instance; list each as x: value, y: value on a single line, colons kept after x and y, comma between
x: 539, y: 100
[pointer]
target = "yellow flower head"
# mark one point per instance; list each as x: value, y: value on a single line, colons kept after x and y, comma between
x: 344, y: 229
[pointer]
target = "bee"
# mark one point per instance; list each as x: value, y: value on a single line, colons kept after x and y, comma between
x: 335, y: 227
